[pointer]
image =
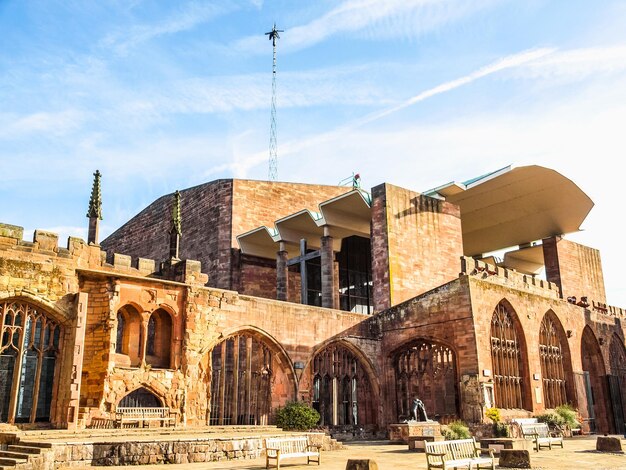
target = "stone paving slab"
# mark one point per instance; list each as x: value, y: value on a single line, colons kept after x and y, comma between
x: 579, y: 453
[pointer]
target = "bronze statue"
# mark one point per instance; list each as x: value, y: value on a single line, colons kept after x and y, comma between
x: 418, y: 412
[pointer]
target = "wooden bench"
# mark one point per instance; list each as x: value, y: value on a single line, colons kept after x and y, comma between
x: 541, y: 436
x: 458, y: 453
x: 143, y: 415
x: 280, y: 448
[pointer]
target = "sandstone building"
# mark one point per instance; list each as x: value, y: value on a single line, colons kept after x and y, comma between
x: 235, y: 297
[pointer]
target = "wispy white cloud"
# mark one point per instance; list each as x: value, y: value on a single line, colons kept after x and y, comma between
x: 373, y: 19
x: 185, y: 19
x: 52, y: 123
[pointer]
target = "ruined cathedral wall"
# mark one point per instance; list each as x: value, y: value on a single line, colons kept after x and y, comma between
x: 292, y: 331
x: 444, y: 316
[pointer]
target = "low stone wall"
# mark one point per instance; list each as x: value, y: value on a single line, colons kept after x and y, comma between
x: 159, y: 451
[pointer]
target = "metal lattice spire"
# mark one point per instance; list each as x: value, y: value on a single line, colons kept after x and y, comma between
x: 273, y: 170
x: 176, y: 219
x: 95, y: 202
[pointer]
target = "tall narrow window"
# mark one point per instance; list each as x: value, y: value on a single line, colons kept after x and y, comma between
x: 617, y: 383
x: 426, y: 370
x: 151, y: 336
x: 506, y: 358
x: 241, y: 368
x: 342, y: 392
x: 552, y: 370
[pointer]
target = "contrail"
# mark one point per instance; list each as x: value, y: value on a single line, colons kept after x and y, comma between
x: 511, y: 61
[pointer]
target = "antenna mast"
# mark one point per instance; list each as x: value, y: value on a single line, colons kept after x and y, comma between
x: 273, y: 171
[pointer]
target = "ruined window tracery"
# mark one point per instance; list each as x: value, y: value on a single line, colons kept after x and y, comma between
x: 552, y: 370
x: 426, y: 370
x: 26, y: 385
x: 241, y: 380
x: 341, y: 388
x: 506, y: 358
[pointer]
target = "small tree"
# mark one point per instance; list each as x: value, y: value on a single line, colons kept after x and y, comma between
x: 296, y: 416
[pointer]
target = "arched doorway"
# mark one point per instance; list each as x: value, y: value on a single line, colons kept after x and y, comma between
x: 242, y: 369
x: 342, y: 392
x: 617, y: 383
x: 594, y: 373
x: 426, y: 370
x: 508, y: 354
x: 26, y: 384
x: 555, y: 364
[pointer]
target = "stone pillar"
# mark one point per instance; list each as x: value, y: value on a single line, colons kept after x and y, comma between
x: 94, y: 228
x: 327, y: 260
x: 77, y: 361
x: 144, y: 338
x: 282, y: 274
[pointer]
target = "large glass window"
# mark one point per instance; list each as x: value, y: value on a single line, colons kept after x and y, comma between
x: 355, y: 275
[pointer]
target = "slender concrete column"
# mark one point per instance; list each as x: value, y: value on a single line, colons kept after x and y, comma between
x: 328, y: 270
x: 282, y: 274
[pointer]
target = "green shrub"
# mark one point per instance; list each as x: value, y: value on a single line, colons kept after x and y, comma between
x: 296, y: 416
x: 569, y: 415
x: 457, y: 430
x: 499, y: 429
x: 551, y: 419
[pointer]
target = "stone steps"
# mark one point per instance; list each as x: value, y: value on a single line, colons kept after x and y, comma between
x: 9, y: 454
x: 25, y: 449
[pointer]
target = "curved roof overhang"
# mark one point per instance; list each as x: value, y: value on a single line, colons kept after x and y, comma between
x: 343, y: 216
x: 515, y: 206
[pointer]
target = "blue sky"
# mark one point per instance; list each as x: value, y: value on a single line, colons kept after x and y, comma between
x: 163, y: 95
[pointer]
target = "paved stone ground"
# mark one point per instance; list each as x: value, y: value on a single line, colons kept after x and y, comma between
x: 579, y: 453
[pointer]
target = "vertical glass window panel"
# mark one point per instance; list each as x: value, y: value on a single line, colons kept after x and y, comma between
x: 355, y: 277
x: 7, y: 365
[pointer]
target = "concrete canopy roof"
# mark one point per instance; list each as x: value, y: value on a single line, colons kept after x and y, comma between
x: 345, y: 215
x: 514, y: 206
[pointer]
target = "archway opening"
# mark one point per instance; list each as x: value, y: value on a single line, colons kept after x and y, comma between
x: 617, y: 383
x: 242, y: 369
x: 29, y: 347
x: 342, y: 392
x: 141, y: 398
x: 594, y: 377
x: 159, y: 339
x: 426, y: 370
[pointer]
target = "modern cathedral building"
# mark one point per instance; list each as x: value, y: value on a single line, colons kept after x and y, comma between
x: 227, y: 300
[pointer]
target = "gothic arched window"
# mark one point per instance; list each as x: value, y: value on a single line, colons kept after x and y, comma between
x: 506, y: 358
x: 119, y: 338
x: 552, y: 370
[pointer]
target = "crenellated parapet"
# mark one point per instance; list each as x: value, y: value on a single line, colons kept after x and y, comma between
x: 508, y: 277
x: 77, y: 254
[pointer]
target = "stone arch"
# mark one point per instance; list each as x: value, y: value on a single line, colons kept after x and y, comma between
x: 617, y: 382
x: 250, y: 376
x: 426, y: 368
x: 159, y: 334
x: 593, y: 365
x: 142, y: 396
x: 351, y: 379
x: 128, y: 337
x: 31, y: 342
x: 556, y: 364
x: 61, y: 316
x: 508, y: 359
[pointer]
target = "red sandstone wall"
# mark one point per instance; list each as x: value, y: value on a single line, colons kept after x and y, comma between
x: 206, y: 217
x: 424, y: 242
x: 259, y: 203
x: 577, y: 269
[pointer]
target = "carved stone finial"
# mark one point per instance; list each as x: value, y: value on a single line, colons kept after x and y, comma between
x: 176, y: 220
x: 95, y: 202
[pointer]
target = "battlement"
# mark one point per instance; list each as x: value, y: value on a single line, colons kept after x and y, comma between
x: 608, y: 309
x: 507, y: 277
x: 83, y: 256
